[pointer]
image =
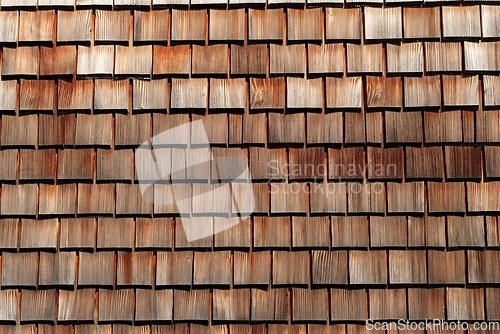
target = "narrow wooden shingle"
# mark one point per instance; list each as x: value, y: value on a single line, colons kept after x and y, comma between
x: 9, y: 26
x: 343, y: 23
x: 305, y: 25
x: 265, y: 24
x: 461, y: 22
x: 329, y: 267
x: 9, y: 234
x: 116, y: 305
x: 368, y: 267
x: 421, y: 23
x: 9, y: 302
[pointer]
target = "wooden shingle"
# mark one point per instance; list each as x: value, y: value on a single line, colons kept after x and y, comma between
x: 234, y: 232
x: 94, y: 130
x: 324, y: 128
x: 466, y: 232
x: 19, y: 131
x: 189, y: 25
x: 492, y: 231
x: 37, y: 95
x: 78, y: 233
x: 482, y: 57
x: 114, y: 165
x: 153, y: 233
x: 407, y: 267
x: 443, y: 57
x: 366, y: 197
x: 319, y: 58
x: 405, y: 197
x: 443, y: 127
x: 290, y: 268
x: 329, y: 267
x: 466, y: 304
x: 8, y: 96
x: 422, y: 92
x: 425, y: 162
x: 134, y: 61
x: 174, y: 268
x: 267, y: 93
x: 60, y: 61
x: 481, y: 266
x: 343, y: 24
x: 171, y: 60
x: 20, y: 61
x: 95, y: 60
x: 153, y: 305
x: 463, y: 162
x: 342, y: 93
x: 187, y: 305
x: 226, y: 25
x: 426, y: 303
x: 38, y: 306
x: 270, y: 305
x: 467, y: 85
x: 151, y: 27
x: 481, y: 196
x: 287, y: 59
x: 365, y: 58
x: 9, y: 27
x: 112, y: 26
x: 57, y: 199
x: 19, y: 199
x: 37, y: 27
x: 461, y: 22
x: 387, y: 303
x: 350, y: 231
x: 388, y: 231
x: 183, y: 96
x: 69, y: 159
x: 310, y: 232
x: 57, y: 269
x: 305, y: 24
x: 231, y: 305
x: 37, y: 164
x: 265, y: 24
x: 491, y: 90
x: 385, y: 163
x: 446, y: 197
x: 74, y: 26
x: 228, y: 94
x: 383, y: 23
x: 212, y: 268
x: 420, y: 23
x: 132, y: 130
x: 328, y: 197
x: 368, y: 267
x: 96, y: 198
x: 130, y: 201
x: 77, y: 305
x: 151, y: 95
x: 249, y: 59
x: 348, y: 305
x: 76, y: 95
x: 96, y: 269
x: 135, y: 269
x: 9, y: 235
x: 288, y: 128
x: 446, y: 267
x: 111, y: 95
x: 271, y: 232
x: 8, y: 300
x: 397, y: 131
x: 289, y: 198
x: 116, y: 305
x: 487, y: 126
x: 304, y: 93
x: 384, y: 93
x: 115, y: 233
x: 19, y: 269
x: 490, y: 25
x: 491, y: 167
x: 308, y: 305
x: 252, y: 268
x: 346, y: 163
x: 405, y: 58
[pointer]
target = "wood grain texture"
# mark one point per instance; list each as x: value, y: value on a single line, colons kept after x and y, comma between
x: 9, y: 27
x: 383, y: 23
x: 307, y: 304
x: 419, y: 23
x: 38, y: 306
x: 134, y: 61
x: 249, y: 60
x: 365, y: 58
x: 116, y: 305
x: 20, y: 61
x: 95, y: 61
x: 368, y: 267
x: 304, y: 93
x: 290, y: 268
x: 348, y: 304
x: 96, y: 269
x: 112, y: 26
x: 77, y: 305
x: 74, y: 26
x: 305, y: 25
x: 405, y: 58
x: 343, y: 24
x: 465, y: 303
x: 330, y: 267
x: 37, y: 26
x: 189, y: 25
x: 78, y: 233
x: 265, y: 24
x: 57, y: 199
x: 461, y: 22
x: 19, y: 269
x: 151, y: 305
x: 443, y: 57
x: 57, y: 269
x: 446, y: 197
x: 174, y: 268
x: 287, y: 59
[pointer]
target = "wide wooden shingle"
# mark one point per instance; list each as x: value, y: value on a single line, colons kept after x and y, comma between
x: 270, y: 305
x: 406, y: 58
x: 189, y: 25
x: 465, y: 304
x: 37, y: 27
x: 38, y: 306
x: 171, y: 60
x: 329, y: 267
x: 77, y: 305
x: 443, y: 57
x: 95, y: 60
x: 249, y: 59
x: 116, y: 305
x: 265, y: 24
x: 226, y: 25
x: 368, y: 267
x: 187, y: 305
x: 57, y: 270
x: 461, y: 22
x: 343, y: 23
x: 308, y: 305
x: 19, y: 269
x: 421, y: 23
x: 20, y: 61
x: 96, y: 269
x: 111, y: 26
x: 9, y: 26
x: 304, y: 94
x: 287, y: 59
x: 231, y: 305
x: 151, y: 27
x: 153, y: 305
x: 134, y: 61
x: 366, y: 58
x: 383, y: 23
x: 304, y: 25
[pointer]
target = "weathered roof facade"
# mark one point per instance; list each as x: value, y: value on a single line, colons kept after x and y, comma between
x: 371, y: 131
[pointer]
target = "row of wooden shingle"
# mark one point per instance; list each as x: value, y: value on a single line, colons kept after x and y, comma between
x: 254, y: 60
x: 225, y: 268
x: 350, y: 128
x: 237, y: 95
x: 293, y: 164
x: 250, y: 305
x: 468, y: 22
x: 299, y: 232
